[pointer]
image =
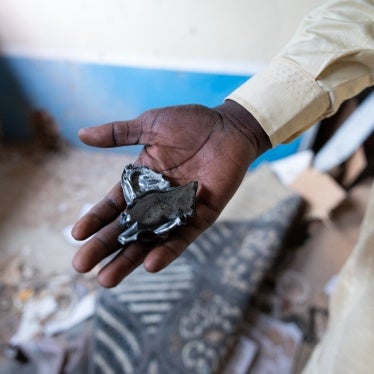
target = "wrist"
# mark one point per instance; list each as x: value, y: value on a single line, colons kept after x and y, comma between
x: 244, y: 121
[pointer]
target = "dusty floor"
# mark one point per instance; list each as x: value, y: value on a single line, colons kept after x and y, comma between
x: 43, y: 193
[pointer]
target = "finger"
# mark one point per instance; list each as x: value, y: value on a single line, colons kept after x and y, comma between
x: 165, y: 253
x: 123, y: 264
x: 100, y: 215
x: 116, y: 134
x: 100, y: 246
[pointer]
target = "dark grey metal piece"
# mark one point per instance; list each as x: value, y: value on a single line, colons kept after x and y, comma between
x: 154, y: 208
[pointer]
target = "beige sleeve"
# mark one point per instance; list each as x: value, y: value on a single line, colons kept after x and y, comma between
x: 329, y: 59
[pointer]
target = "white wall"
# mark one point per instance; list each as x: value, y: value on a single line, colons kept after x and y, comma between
x: 220, y: 35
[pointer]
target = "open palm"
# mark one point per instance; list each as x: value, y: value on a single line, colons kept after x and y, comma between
x: 184, y: 143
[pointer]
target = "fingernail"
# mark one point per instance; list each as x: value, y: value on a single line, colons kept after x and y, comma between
x: 82, y: 131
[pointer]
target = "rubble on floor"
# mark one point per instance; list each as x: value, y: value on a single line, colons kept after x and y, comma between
x: 43, y: 301
x: 42, y: 193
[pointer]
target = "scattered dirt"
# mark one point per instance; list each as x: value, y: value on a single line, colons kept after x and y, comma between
x: 42, y: 193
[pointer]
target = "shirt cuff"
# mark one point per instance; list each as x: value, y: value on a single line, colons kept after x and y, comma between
x: 284, y: 99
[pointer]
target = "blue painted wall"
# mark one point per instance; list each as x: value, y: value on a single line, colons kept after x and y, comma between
x: 83, y: 94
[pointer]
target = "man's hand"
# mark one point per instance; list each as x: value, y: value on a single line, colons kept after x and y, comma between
x: 184, y: 143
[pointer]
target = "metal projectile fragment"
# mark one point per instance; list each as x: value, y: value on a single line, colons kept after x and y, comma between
x: 154, y: 208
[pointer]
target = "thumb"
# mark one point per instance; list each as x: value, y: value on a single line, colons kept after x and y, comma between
x: 114, y: 134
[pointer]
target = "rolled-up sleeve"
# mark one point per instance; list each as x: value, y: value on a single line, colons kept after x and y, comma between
x: 330, y: 59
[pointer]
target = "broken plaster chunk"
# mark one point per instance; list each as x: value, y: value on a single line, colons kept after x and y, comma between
x: 154, y: 208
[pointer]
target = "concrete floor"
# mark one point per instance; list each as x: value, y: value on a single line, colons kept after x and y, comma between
x: 41, y: 195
